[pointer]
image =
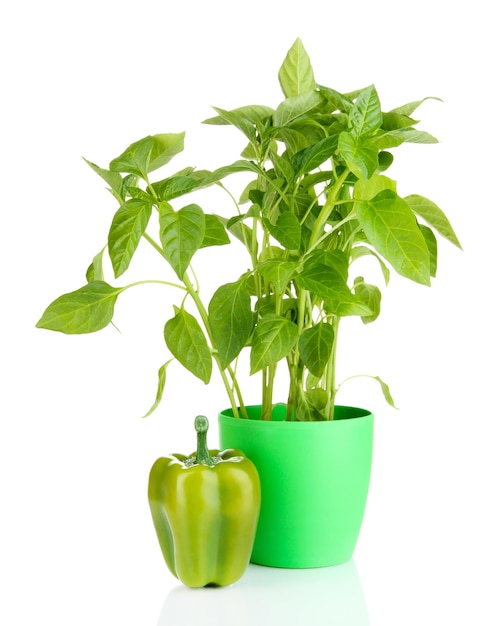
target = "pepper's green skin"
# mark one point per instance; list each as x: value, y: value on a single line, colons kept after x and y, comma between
x: 205, y: 509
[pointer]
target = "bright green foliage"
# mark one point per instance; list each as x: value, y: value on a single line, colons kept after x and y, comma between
x: 181, y: 233
x: 231, y: 320
x: 370, y: 295
x: 433, y: 215
x: 148, y: 154
x: 316, y: 346
x: 186, y: 341
x: 85, y: 310
x: 390, y: 226
x: 162, y: 379
x: 296, y: 75
x: 316, y: 197
x: 128, y: 227
x: 273, y: 338
x: 215, y: 234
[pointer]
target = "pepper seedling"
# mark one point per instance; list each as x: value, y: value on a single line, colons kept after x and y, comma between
x: 205, y: 509
x: 310, y: 203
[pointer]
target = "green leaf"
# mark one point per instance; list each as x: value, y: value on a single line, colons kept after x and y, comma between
x: 317, y: 398
x: 242, y: 165
x: 287, y: 230
x: 305, y: 409
x: 383, y: 386
x: 165, y: 147
x: 385, y: 160
x: 336, y: 259
x: 368, y: 189
x: 361, y: 157
x: 95, y: 270
x: 411, y: 135
x: 433, y: 215
x: 389, y: 139
x: 181, y: 184
x: 181, y: 233
x: 162, y: 377
x: 365, y: 117
x: 174, y: 186
x: 215, y: 233
x: 85, y: 310
x: 255, y: 113
x: 273, y: 339
x: 390, y: 226
x: 271, y: 201
x: 278, y: 273
x: 312, y: 157
x: 359, y: 251
x: 326, y: 283
x: 148, y: 154
x: 408, y: 109
x: 241, y: 231
x: 187, y: 342
x: 430, y: 240
x: 386, y: 391
x: 394, y: 120
x: 296, y: 74
x: 253, y: 211
x: 231, y: 319
x: 296, y: 106
x: 139, y: 194
x: 128, y: 225
x: 293, y: 140
x: 129, y: 181
x: 336, y: 100
x: 135, y: 159
x: 283, y: 167
x: 113, y: 179
x: 312, y: 381
x: 394, y: 138
x: 371, y: 296
x: 315, y: 347
x: 240, y: 121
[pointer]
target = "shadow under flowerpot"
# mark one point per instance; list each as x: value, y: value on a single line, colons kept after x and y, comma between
x: 265, y: 595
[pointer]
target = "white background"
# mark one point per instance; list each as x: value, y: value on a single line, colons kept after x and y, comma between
x: 77, y: 544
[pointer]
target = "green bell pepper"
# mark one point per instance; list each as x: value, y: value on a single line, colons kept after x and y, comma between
x: 205, y: 509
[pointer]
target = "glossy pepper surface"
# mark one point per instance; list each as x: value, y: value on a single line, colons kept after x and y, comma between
x: 205, y: 509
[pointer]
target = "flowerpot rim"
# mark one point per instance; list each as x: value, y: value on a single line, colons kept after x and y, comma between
x: 348, y: 415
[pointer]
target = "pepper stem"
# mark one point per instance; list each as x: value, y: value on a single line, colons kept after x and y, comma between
x: 202, y: 454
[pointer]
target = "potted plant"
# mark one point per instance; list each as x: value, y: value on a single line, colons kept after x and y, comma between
x: 315, y: 198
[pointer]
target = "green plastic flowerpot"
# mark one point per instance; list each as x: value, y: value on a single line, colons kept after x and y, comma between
x: 314, y: 483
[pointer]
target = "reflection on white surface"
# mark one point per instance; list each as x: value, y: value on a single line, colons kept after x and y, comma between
x: 267, y: 595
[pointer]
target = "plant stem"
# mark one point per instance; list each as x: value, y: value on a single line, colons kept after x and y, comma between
x: 268, y: 376
x: 334, y: 230
x: 317, y: 236
x: 236, y: 389
x: 155, y: 282
x: 327, y: 208
x: 156, y: 246
x: 331, y: 373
